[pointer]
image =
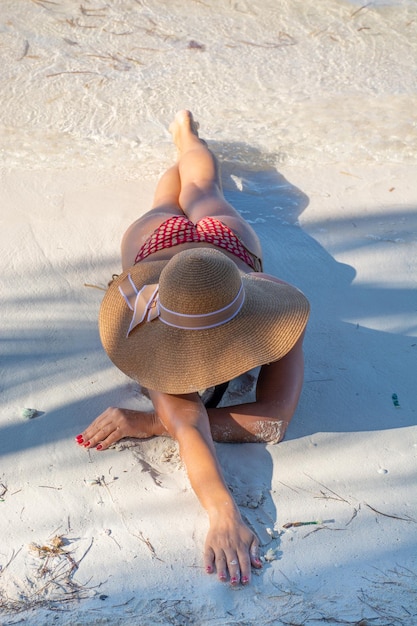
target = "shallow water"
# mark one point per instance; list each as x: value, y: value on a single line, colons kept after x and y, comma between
x: 291, y: 81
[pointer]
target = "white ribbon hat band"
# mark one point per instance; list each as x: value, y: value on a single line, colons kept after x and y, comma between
x: 146, y: 306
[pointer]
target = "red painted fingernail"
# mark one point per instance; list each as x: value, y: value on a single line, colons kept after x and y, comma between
x: 80, y: 441
x: 209, y: 569
x: 234, y: 580
x: 86, y: 444
x: 79, y: 437
x: 245, y: 580
x: 99, y: 447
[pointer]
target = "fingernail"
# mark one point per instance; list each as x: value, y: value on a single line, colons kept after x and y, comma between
x: 79, y: 437
x: 86, y: 444
x: 209, y: 569
x: 245, y: 580
x: 99, y: 447
x: 234, y: 580
x: 80, y: 441
x: 258, y: 562
x: 223, y: 577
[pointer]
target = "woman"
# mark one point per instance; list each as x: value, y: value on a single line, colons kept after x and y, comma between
x: 193, y: 310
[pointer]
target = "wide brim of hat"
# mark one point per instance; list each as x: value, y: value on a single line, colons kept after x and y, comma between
x: 178, y: 361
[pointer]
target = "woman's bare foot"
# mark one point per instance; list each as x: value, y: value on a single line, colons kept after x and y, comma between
x: 184, y: 130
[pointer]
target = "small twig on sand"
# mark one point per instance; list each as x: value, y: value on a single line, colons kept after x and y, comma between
x: 354, y: 514
x: 366, y: 600
x: 361, y: 9
x: 284, y: 39
x: 25, y: 50
x: 324, y: 495
x: 289, y: 486
x: 92, y: 12
x: 108, y: 533
x: 42, y: 3
x: 321, y: 528
x: 12, y: 558
x: 102, y: 481
x: 404, y: 519
x: 3, y: 491
x: 95, y: 287
x: 297, y: 524
x: 49, y: 487
x: 148, y: 544
x: 116, y: 606
x: 72, y: 72
x: 85, y: 553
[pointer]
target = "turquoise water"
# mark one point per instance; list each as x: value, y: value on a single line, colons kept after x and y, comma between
x: 288, y: 82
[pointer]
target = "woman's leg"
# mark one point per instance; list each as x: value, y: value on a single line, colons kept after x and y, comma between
x: 165, y: 205
x: 201, y: 193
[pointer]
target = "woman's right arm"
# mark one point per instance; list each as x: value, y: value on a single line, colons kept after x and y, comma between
x: 231, y: 547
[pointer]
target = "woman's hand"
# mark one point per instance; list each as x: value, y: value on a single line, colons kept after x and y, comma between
x: 115, y: 424
x: 231, y: 548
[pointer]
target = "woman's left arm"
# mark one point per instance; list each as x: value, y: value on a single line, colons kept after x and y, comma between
x: 278, y: 391
x: 277, y: 394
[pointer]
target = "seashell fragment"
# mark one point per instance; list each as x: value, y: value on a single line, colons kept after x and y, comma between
x: 30, y: 413
x: 270, y: 555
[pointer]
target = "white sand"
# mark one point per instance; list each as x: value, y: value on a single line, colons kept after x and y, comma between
x: 312, y: 109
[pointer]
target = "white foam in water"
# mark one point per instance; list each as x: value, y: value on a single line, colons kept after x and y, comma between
x: 296, y: 81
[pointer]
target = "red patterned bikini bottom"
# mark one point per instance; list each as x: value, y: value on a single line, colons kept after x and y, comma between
x: 178, y: 229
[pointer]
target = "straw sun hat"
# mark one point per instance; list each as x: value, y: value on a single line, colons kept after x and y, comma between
x: 196, y: 321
